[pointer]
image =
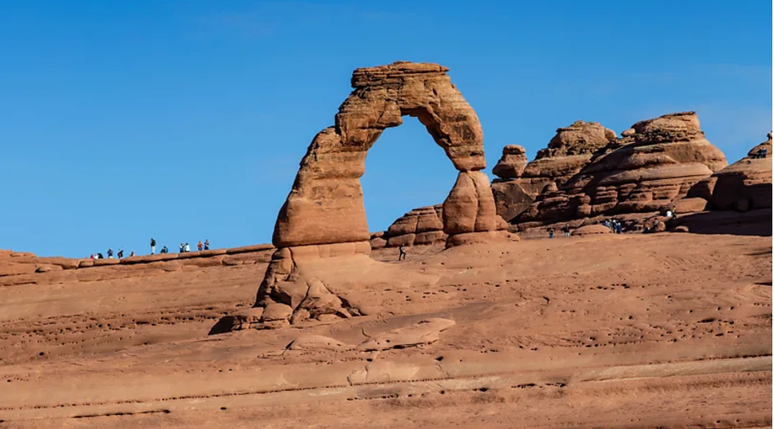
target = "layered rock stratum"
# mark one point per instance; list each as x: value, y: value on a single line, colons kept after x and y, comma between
x: 649, y: 169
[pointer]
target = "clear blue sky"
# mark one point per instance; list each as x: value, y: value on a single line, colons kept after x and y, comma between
x: 186, y: 120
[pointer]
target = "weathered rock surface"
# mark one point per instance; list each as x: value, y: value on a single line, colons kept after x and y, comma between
x: 567, y: 153
x: 645, y: 171
x: 325, y: 206
x: 423, y: 225
x: 19, y: 268
x: 745, y: 184
x: 591, y: 230
x: 511, y: 165
x: 326, y: 203
x: 423, y: 333
x: 470, y: 205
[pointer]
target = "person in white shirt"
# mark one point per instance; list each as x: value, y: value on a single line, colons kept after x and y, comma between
x: 187, y: 248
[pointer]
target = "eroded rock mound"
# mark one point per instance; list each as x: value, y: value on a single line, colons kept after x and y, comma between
x: 423, y: 225
x: 653, y: 165
x: 567, y: 153
x: 745, y: 184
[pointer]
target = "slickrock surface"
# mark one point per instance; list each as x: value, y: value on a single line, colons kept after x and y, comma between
x: 651, y: 167
x: 636, y: 331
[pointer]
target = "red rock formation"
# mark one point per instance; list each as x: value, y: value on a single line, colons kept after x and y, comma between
x: 20, y: 268
x: 419, y: 226
x: 326, y: 204
x: 745, y: 184
x: 511, y: 165
x: 567, y: 153
x: 653, y: 165
x: 324, y: 213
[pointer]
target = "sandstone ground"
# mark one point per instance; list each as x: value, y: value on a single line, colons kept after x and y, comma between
x: 660, y: 330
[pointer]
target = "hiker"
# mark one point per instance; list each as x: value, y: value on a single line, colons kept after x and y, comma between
x: 131, y: 254
x: 120, y: 253
x: 99, y: 256
x: 762, y: 152
x: 200, y: 245
x: 153, y: 246
x: 92, y: 256
x: 182, y: 248
x: 110, y: 253
x: 164, y: 250
x: 402, y: 254
x: 669, y: 214
x: 187, y: 248
x: 550, y: 233
x: 618, y: 227
x: 566, y: 230
x: 206, y: 244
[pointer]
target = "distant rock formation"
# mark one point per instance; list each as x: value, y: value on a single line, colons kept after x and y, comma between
x: 745, y: 184
x: 511, y: 165
x: 567, y: 153
x: 422, y: 225
x: 651, y: 167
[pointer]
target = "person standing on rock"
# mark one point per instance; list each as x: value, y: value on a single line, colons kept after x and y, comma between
x: 182, y: 248
x: 566, y: 230
x: 207, y: 244
x: 402, y: 254
x: 120, y: 253
x: 550, y: 233
x: 153, y: 246
x: 618, y: 227
x: 200, y: 245
x: 187, y: 248
x: 110, y: 253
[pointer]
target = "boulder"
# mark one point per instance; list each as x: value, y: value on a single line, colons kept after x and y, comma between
x: 596, y: 229
x: 422, y: 224
x: 511, y: 165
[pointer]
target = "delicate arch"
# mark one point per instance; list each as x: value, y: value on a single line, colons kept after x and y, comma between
x: 326, y: 203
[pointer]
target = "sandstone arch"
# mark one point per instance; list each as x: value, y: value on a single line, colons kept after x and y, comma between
x: 324, y: 215
x: 326, y: 205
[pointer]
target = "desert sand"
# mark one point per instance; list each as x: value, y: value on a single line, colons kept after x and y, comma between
x: 618, y: 331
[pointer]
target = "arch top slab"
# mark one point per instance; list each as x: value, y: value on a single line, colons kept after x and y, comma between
x: 326, y: 203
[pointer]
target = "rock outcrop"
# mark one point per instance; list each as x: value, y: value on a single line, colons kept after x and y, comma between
x: 567, y: 153
x: 511, y: 165
x: 24, y: 268
x: 324, y: 216
x: 652, y: 166
x: 423, y: 225
x: 745, y: 184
